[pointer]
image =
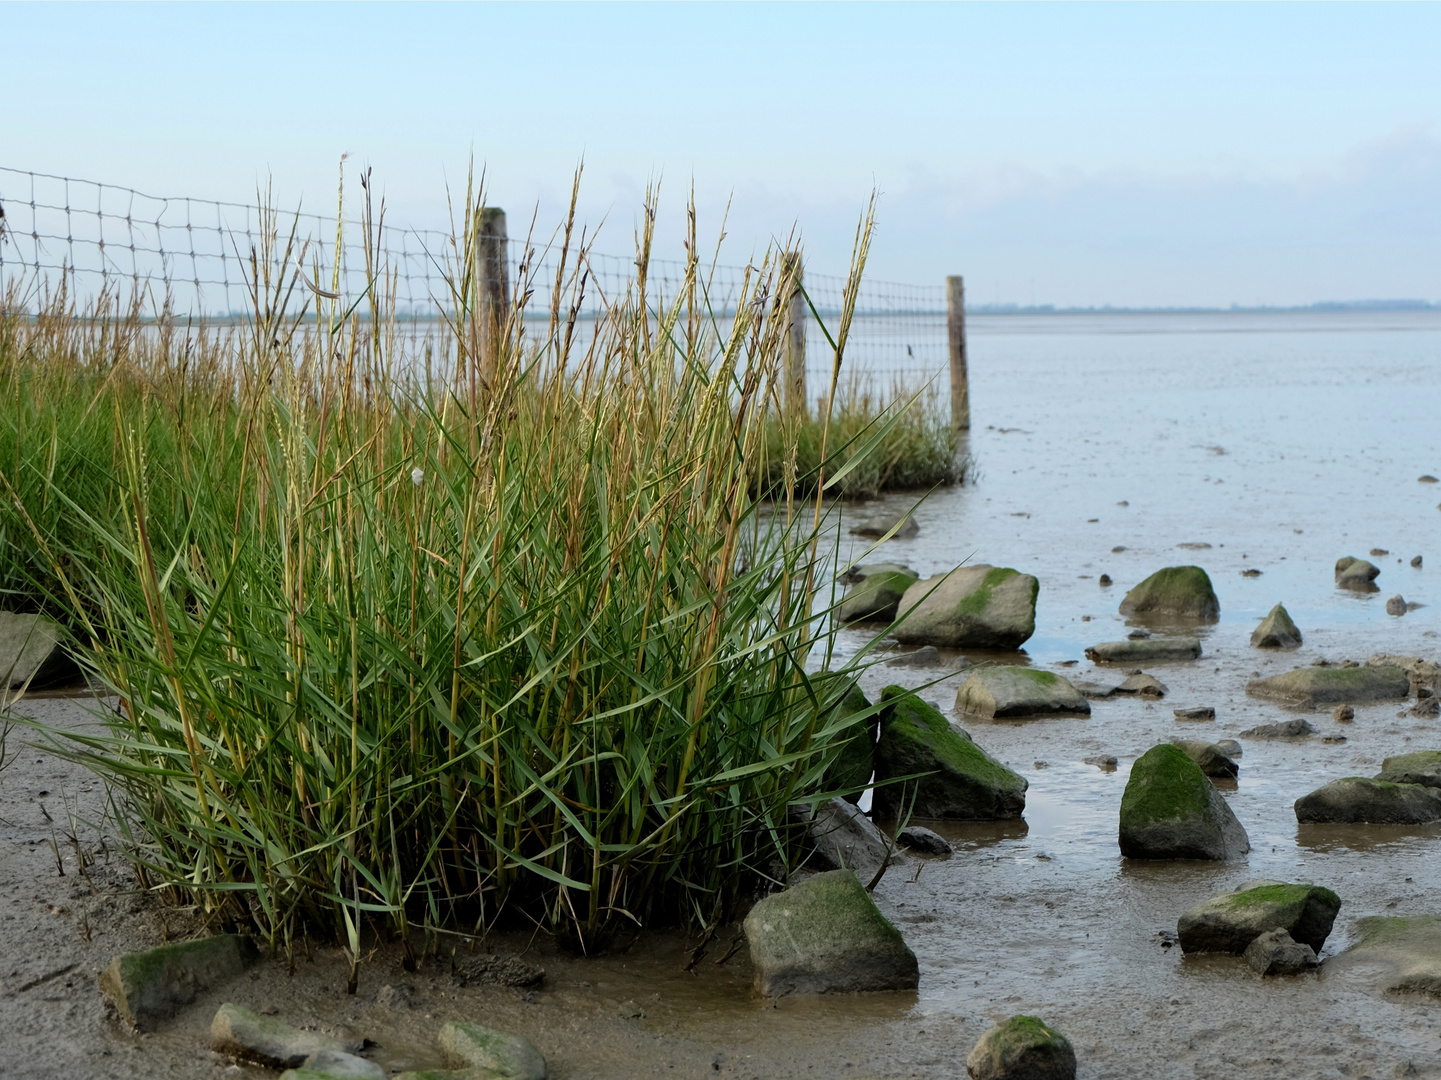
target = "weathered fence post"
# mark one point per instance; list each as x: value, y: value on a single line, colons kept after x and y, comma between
x: 792, y: 270
x: 493, y: 288
x: 956, y: 333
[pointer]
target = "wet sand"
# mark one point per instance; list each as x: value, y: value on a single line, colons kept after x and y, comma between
x: 1283, y: 447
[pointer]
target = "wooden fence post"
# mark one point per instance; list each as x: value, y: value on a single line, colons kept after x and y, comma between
x: 956, y: 333
x: 792, y: 268
x: 493, y: 288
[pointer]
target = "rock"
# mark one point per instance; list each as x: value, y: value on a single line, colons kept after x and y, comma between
x: 824, y: 936
x: 1139, y: 633
x: 485, y: 1048
x: 875, y: 528
x: 1427, y: 708
x: 1404, y: 952
x: 1104, y: 762
x: 1311, y: 686
x: 488, y: 969
x: 1343, y: 714
x: 1094, y: 690
x: 1379, y: 551
x: 1105, y: 580
x: 1356, y: 799
x: 1416, y: 561
x: 1422, y: 767
x: 925, y: 656
x: 843, y: 838
x: 1276, y: 953
x: 333, y: 1065
x: 1426, y: 478
x: 1143, y: 685
x: 850, y: 771
x: 1356, y: 574
x: 1396, y: 605
x: 1230, y: 747
x: 31, y: 652
x: 998, y: 693
x: 1213, y: 760
x: 149, y: 987
x: 245, y: 1034
x: 1171, y: 811
x: 1286, y: 729
x: 1198, y: 712
x: 1251, y: 571
x: 1421, y: 673
x: 965, y: 783
x: 1022, y: 1048
x: 1145, y: 650
x: 972, y: 607
x: 1276, y: 631
x: 1177, y: 591
x: 875, y: 592
x: 922, y: 839
x: 1228, y: 922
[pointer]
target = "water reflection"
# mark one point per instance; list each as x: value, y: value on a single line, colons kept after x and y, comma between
x: 1395, y: 839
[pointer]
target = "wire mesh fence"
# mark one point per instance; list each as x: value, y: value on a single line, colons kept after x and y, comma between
x: 194, y: 258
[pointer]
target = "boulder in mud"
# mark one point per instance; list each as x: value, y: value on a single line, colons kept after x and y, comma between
x: 1276, y: 631
x: 1405, y: 952
x: 1286, y: 729
x: 1357, y: 799
x: 1145, y: 650
x: 1171, y: 811
x: 1276, y: 953
x: 826, y: 936
x: 31, y: 652
x: 478, y: 1047
x: 1003, y: 693
x: 843, y: 838
x: 1422, y: 767
x: 851, y: 770
x: 1213, y: 760
x: 1142, y: 685
x: 245, y: 1034
x: 1228, y: 922
x: 899, y: 528
x: 333, y: 1065
x: 961, y: 780
x: 1424, y: 674
x: 1396, y: 605
x: 148, y: 987
x: 1356, y: 574
x: 925, y: 656
x: 1022, y: 1048
x: 875, y: 592
x: 972, y: 607
x: 1182, y: 592
x: 919, y: 838
x: 1311, y: 686
x: 1200, y: 713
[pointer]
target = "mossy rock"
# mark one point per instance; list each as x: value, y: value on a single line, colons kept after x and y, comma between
x: 479, y: 1047
x: 961, y: 781
x: 1356, y: 574
x: 1228, y: 922
x: 826, y: 936
x: 1171, y: 811
x: 875, y: 592
x: 1145, y: 650
x: 1182, y: 592
x: 1002, y: 693
x: 973, y: 607
x: 851, y: 770
x: 1022, y: 1048
x: 1213, y: 760
x: 152, y: 986
x: 1276, y: 631
x: 331, y: 1065
x: 1333, y: 685
x: 1422, y: 767
x: 1358, y: 799
x: 266, y: 1040
x: 1402, y: 953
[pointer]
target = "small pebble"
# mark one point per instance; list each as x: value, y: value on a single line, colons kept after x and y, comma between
x: 1396, y: 605
x: 1343, y: 714
x: 1121, y: 547
x: 1105, y: 579
x: 1200, y: 712
x: 1379, y: 551
x: 1416, y: 562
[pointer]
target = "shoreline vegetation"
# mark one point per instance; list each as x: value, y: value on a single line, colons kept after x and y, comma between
x: 507, y: 631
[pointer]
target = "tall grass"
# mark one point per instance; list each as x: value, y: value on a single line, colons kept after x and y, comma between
x: 504, y: 635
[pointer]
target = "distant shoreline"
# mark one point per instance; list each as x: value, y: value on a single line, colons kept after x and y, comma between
x: 1325, y: 306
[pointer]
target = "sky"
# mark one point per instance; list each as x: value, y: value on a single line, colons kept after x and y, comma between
x: 1073, y: 154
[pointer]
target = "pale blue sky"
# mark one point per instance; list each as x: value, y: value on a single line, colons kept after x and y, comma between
x: 1076, y: 154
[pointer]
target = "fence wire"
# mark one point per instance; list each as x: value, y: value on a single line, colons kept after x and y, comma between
x: 193, y: 258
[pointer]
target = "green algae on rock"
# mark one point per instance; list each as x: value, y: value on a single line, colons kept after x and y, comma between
x: 1022, y: 1048
x: 1018, y: 692
x: 1405, y: 952
x: 480, y: 1047
x: 1171, y: 811
x: 1179, y: 591
x: 1359, y: 800
x: 960, y: 780
x: 148, y: 987
x: 1228, y: 922
x: 826, y: 936
x: 1276, y: 631
x: 972, y: 607
x: 1421, y: 767
x: 875, y: 592
x: 1333, y: 685
x: 1355, y: 574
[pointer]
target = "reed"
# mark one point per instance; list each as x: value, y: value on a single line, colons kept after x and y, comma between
x: 499, y: 631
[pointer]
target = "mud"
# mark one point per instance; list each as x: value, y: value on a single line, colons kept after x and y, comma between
x: 1257, y: 438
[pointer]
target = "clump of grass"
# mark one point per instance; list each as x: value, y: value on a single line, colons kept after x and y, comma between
x: 509, y: 639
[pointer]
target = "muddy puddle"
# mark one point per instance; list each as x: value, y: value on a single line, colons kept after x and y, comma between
x: 1104, y: 445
